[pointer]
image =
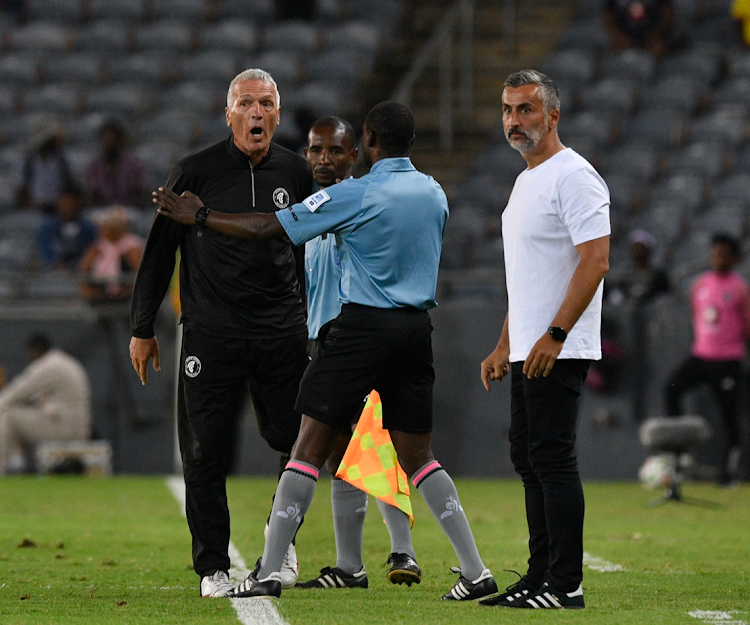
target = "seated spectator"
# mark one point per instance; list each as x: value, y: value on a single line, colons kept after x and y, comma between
x: 642, y: 282
x: 46, y: 171
x: 109, y: 265
x: 645, y: 24
x: 65, y: 236
x: 116, y: 175
x: 741, y: 14
x: 50, y: 400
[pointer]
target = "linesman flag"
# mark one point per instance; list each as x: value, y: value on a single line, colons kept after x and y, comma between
x: 370, y: 461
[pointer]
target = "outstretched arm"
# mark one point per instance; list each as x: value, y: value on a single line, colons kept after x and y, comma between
x: 183, y: 209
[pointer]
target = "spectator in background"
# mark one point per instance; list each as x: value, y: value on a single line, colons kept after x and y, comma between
x: 49, y: 400
x: 109, y: 264
x: 645, y: 24
x: 741, y: 14
x: 116, y: 175
x: 46, y: 171
x: 720, y: 301
x: 642, y: 282
x: 65, y: 236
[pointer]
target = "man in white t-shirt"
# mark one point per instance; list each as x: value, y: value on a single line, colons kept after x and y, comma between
x: 556, y: 238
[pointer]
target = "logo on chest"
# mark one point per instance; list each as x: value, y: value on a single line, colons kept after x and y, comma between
x: 281, y: 197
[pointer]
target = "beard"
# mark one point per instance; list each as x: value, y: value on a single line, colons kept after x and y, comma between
x: 531, y: 138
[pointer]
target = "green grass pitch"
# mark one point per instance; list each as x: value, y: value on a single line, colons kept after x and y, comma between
x: 85, y: 551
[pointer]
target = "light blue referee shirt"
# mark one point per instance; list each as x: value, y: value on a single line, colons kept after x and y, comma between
x: 323, y: 274
x: 389, y: 230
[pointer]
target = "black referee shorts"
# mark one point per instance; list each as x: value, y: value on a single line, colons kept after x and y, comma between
x: 372, y: 348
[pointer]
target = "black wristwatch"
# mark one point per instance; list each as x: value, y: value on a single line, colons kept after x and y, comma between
x: 201, y: 216
x: 557, y: 334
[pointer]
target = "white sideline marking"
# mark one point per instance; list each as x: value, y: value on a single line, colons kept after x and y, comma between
x: 716, y: 617
x: 601, y: 565
x: 249, y: 611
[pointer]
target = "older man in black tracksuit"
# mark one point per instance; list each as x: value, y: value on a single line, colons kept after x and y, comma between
x: 243, y: 313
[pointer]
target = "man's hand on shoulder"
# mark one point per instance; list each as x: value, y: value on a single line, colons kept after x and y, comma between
x: 141, y: 351
x: 180, y: 208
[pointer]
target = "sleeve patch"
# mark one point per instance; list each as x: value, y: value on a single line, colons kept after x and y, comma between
x: 316, y: 200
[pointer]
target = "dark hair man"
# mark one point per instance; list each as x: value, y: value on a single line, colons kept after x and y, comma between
x: 331, y: 152
x: 720, y: 301
x: 556, y: 239
x: 242, y: 312
x: 390, y: 223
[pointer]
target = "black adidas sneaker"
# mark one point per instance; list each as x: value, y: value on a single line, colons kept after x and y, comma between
x: 333, y: 577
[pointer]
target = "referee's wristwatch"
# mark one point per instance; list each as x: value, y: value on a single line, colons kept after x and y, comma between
x: 558, y: 334
x: 201, y: 216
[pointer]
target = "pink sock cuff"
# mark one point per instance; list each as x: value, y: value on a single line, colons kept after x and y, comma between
x: 300, y: 467
x: 428, y: 469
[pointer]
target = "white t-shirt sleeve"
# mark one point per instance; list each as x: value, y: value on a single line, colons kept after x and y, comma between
x: 584, y: 206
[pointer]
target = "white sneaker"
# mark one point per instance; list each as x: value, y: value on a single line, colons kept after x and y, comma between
x: 289, y: 567
x: 216, y: 585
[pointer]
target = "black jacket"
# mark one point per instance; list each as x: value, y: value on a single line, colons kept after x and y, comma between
x: 228, y: 286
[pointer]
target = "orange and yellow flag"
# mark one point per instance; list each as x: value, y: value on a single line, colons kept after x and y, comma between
x: 370, y: 461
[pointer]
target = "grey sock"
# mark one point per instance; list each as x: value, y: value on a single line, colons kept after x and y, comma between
x: 293, y: 496
x: 349, y: 505
x: 399, y: 528
x: 438, y: 490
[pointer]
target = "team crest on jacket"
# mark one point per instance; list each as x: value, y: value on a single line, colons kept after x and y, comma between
x: 192, y: 366
x: 281, y: 197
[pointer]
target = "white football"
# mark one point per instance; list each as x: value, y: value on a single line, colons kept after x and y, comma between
x: 656, y: 472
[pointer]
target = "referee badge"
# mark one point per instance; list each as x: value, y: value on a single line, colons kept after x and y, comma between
x: 281, y: 197
x: 192, y: 366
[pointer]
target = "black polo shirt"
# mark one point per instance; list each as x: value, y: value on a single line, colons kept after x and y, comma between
x: 228, y: 286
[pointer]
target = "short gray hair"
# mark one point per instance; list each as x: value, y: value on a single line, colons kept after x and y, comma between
x: 548, y: 92
x: 252, y: 74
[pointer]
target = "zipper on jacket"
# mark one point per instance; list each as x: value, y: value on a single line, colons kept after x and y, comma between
x: 252, y: 178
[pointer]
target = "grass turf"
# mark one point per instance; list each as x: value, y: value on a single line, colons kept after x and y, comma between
x: 85, y: 551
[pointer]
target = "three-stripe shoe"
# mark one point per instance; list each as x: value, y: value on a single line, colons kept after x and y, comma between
x: 334, y: 577
x: 548, y: 598
x: 216, y: 585
x: 519, y: 590
x: 404, y: 569
x: 467, y: 590
x: 253, y: 587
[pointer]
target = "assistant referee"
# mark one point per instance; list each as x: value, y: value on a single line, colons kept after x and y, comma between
x: 243, y: 314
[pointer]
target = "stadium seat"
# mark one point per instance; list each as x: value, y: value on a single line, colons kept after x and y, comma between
x: 725, y: 216
x: 63, y: 98
x: 501, y: 161
x: 234, y: 34
x: 687, y: 190
x: 706, y: 158
x: 196, y: 96
x: 681, y: 93
x: 259, y: 11
x: 117, y: 9
x: 666, y: 220
x: 19, y: 69
x: 153, y: 66
x: 121, y: 98
x: 177, y: 126
x: 570, y: 65
x: 658, y: 127
x: 84, y: 129
x: 610, y: 95
x: 79, y: 67
x: 637, y: 161
x: 40, y: 36
x: 63, y: 285
x: 168, y: 34
x: 106, y: 36
x: 735, y: 91
x: 626, y: 193
x: 584, y: 35
x: 214, y: 65
x: 191, y: 10
x: 718, y: 29
x: 741, y: 161
x: 79, y: 158
x: 67, y: 11
x: 158, y: 158
x: 339, y: 67
x: 596, y: 125
x: 722, y: 125
x: 353, y: 35
x: 384, y: 13
x: 283, y: 65
x: 634, y: 64
x: 694, y: 63
x: 8, y: 99
x: 735, y: 187
x: 300, y: 37
x: 214, y: 128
